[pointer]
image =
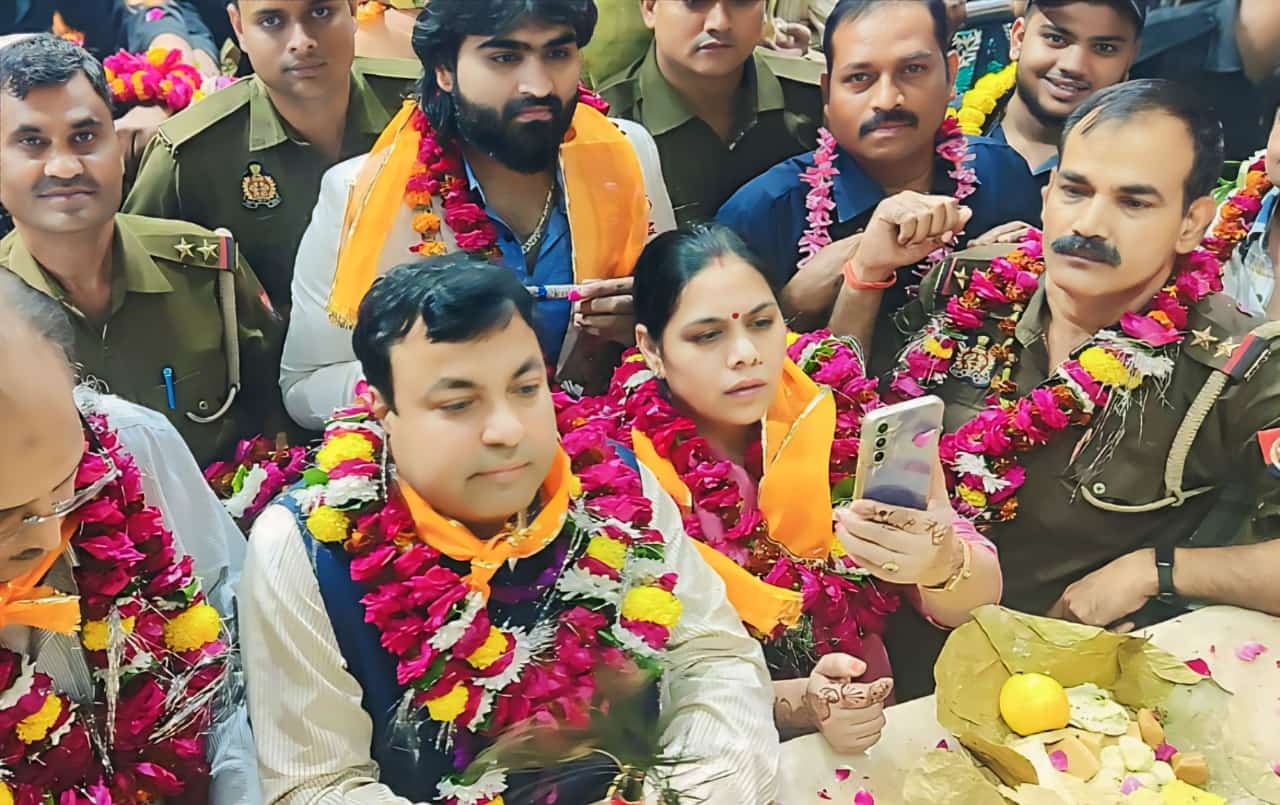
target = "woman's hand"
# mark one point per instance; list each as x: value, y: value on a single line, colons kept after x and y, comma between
x: 900, y: 545
x: 850, y: 715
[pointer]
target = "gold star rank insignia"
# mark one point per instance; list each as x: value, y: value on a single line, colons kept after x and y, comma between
x: 185, y: 250
x: 1203, y: 338
x: 1226, y: 348
x: 209, y: 250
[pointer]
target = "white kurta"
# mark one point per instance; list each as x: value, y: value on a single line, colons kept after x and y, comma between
x: 318, y: 371
x: 313, y: 736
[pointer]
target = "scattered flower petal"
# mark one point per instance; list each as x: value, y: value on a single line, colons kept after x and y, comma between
x: 843, y: 773
x: 1199, y: 666
x: 1130, y: 785
x: 1275, y: 767
x: 943, y: 745
x: 1248, y: 652
x: 864, y: 798
x: 1059, y: 760
x: 1165, y: 752
x: 822, y: 794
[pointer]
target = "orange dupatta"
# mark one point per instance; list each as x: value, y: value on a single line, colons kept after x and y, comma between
x: 604, y: 198
x: 794, y: 495
x: 25, y: 602
x: 456, y: 541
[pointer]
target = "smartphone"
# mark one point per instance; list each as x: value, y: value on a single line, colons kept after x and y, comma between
x: 898, y: 451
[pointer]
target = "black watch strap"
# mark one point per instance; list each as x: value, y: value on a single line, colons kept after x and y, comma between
x: 1164, y: 571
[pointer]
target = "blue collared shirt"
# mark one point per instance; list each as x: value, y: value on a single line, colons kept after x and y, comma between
x: 769, y: 212
x: 554, y: 266
x: 1041, y: 173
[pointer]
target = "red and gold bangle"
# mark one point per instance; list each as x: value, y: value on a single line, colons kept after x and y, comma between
x: 851, y: 280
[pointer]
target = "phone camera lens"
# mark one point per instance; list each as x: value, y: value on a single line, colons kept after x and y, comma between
x: 879, y: 457
x: 881, y: 442
x: 883, y: 427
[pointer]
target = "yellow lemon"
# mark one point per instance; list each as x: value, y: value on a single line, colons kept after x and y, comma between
x: 1031, y: 703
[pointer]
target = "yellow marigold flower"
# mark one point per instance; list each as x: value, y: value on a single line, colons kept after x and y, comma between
x: 418, y: 198
x: 327, y: 524
x: 117, y: 86
x: 934, y: 347
x: 96, y: 633
x: 495, y: 645
x: 197, y: 627
x: 369, y: 10
x: 974, y: 497
x: 139, y: 88
x: 1106, y: 368
x: 425, y: 222
x: 1162, y: 317
x: 575, y: 486
x: 652, y: 604
x: 951, y: 112
x: 433, y: 248
x: 634, y: 358
x: 6, y: 794
x: 792, y: 337
x: 449, y: 706
x: 35, y: 727
x: 971, y: 121
x: 607, y: 550
x: 837, y: 549
x: 342, y: 448
x: 156, y: 56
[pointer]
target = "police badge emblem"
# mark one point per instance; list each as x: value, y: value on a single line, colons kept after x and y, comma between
x: 975, y: 363
x: 258, y: 188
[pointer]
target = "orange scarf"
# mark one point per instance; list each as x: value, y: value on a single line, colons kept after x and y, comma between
x: 25, y: 602
x: 794, y: 495
x: 456, y: 541
x: 604, y: 198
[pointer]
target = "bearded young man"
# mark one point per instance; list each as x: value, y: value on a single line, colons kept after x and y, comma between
x: 1102, y: 392
x: 451, y: 574
x: 106, y: 530
x: 892, y: 176
x: 497, y: 157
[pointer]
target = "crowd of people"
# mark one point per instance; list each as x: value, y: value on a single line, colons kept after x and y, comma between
x: 530, y: 411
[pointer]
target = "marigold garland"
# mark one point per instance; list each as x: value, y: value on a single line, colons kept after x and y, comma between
x: 158, y: 76
x: 614, y: 603
x: 1238, y: 211
x: 982, y: 100
x: 140, y: 600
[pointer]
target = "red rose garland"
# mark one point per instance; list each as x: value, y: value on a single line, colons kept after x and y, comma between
x: 140, y: 602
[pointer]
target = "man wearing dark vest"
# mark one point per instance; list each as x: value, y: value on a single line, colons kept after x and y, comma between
x: 449, y: 574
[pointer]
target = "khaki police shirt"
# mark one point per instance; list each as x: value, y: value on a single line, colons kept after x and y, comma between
x: 232, y: 161
x: 779, y: 110
x: 1058, y: 535
x: 165, y: 313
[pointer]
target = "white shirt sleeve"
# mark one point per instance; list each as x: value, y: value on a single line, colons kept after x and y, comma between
x: 662, y: 216
x: 202, y: 529
x: 319, y: 371
x: 717, y: 702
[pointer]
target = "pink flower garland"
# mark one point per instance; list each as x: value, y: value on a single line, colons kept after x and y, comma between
x: 277, y: 467
x: 841, y: 609
x: 172, y: 656
x: 951, y: 147
x: 158, y: 76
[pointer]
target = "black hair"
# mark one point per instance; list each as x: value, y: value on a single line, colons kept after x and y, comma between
x: 457, y: 296
x: 674, y: 258
x: 443, y: 24
x: 1123, y: 6
x: 1124, y: 101
x: 45, y: 60
x: 41, y: 312
x: 848, y: 10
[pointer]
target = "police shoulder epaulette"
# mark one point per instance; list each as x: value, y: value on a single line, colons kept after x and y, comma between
x: 181, y: 242
x: 1222, y: 337
x: 199, y: 116
x: 954, y: 273
x: 801, y: 69
x: 376, y: 67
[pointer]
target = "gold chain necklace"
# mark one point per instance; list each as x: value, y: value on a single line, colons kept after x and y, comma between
x: 538, y: 228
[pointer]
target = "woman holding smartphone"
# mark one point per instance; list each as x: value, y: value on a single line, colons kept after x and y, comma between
x: 754, y: 432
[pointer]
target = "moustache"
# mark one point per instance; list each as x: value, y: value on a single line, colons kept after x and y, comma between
x: 50, y: 185
x: 880, y: 119
x: 550, y: 103
x: 1095, y: 249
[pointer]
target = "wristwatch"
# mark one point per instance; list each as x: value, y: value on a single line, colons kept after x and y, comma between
x: 1164, y: 571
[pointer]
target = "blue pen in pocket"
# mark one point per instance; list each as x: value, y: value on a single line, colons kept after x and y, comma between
x: 169, y: 391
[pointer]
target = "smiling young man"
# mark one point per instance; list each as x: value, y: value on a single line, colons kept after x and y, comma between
x: 1143, y: 395
x: 499, y: 157
x: 512, y: 599
x: 251, y: 158
x: 721, y: 110
x: 888, y: 81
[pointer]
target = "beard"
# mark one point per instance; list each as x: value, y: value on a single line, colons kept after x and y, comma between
x: 1028, y: 86
x: 530, y: 147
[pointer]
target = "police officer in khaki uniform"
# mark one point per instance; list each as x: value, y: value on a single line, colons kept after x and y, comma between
x: 165, y: 312
x: 250, y: 157
x: 721, y: 110
x: 1118, y: 516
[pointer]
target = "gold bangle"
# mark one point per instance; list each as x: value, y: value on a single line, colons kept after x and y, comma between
x: 965, y: 571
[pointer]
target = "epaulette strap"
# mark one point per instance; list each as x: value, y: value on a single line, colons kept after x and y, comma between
x: 383, y: 67
x: 193, y: 120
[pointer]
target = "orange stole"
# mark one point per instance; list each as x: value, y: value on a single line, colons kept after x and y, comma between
x: 24, y: 601
x: 794, y: 495
x: 604, y: 199
x: 456, y: 541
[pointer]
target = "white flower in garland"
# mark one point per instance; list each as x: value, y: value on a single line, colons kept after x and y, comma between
x: 452, y: 632
x: 970, y: 464
x: 21, y: 686
x: 492, y: 783
x: 630, y: 641
x: 353, y: 489
x: 237, y: 504
x: 577, y: 582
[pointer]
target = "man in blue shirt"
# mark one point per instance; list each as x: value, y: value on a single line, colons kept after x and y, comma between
x: 887, y: 86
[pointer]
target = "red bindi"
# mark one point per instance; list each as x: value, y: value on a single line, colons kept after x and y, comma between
x: 735, y: 315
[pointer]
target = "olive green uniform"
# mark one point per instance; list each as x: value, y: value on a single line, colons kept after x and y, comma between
x: 779, y: 110
x: 1078, y: 512
x: 170, y: 310
x: 232, y: 161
